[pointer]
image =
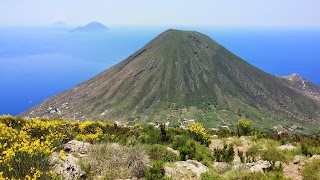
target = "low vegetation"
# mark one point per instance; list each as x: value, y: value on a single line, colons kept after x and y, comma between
x: 144, y: 151
x: 312, y: 171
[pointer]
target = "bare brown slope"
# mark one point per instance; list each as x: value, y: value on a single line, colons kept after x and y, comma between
x: 182, y: 67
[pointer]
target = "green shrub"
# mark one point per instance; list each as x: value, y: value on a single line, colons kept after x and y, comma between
x: 150, y: 135
x: 305, y: 150
x: 272, y: 155
x: 246, y: 175
x: 203, y: 154
x: 210, y: 175
x: 188, y: 150
x: 180, y: 141
x: 160, y: 152
x: 224, y: 155
x: 312, y: 170
x: 250, y: 176
x: 156, y: 171
x: 191, y: 149
x: 252, y: 153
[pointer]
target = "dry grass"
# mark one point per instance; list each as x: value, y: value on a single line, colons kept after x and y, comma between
x: 112, y: 161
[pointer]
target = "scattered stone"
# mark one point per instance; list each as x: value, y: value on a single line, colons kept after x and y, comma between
x: 194, y: 166
x: 176, y: 152
x: 286, y: 147
x: 260, y: 166
x: 221, y: 166
x: 229, y: 141
x: 277, y: 164
x: 292, y: 171
x: 67, y: 168
x: 80, y: 147
x: 314, y: 157
x: 214, y: 136
x: 296, y: 160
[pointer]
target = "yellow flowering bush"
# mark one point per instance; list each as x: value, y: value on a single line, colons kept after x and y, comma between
x: 244, y: 127
x: 199, y: 133
x: 25, y: 145
x: 23, y: 156
x: 95, y: 135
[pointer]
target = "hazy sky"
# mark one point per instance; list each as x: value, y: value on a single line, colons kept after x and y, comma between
x: 284, y: 13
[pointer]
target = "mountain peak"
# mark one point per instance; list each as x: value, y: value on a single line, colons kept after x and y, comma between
x: 295, y: 77
x: 179, y: 70
x: 301, y: 84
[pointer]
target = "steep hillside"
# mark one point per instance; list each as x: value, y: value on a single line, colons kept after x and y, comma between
x: 303, y: 85
x: 176, y: 71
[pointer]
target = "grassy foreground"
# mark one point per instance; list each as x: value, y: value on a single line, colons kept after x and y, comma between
x: 26, y: 145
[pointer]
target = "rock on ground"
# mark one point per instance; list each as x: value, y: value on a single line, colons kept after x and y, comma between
x: 296, y: 159
x: 314, y: 157
x: 176, y: 152
x: 67, y: 168
x: 80, y: 147
x: 190, y: 169
x: 221, y: 166
x: 286, y: 147
x: 259, y: 166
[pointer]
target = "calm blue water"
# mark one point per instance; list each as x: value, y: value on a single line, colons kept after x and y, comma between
x: 38, y: 63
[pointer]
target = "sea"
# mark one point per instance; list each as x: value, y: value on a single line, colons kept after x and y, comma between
x: 39, y: 62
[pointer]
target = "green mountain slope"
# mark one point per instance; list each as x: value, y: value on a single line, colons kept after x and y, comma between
x: 181, y: 70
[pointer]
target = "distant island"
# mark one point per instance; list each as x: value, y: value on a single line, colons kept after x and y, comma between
x: 91, y: 27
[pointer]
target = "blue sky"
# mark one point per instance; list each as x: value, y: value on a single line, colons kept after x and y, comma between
x: 283, y: 13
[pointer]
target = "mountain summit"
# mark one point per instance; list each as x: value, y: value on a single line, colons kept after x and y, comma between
x: 176, y: 71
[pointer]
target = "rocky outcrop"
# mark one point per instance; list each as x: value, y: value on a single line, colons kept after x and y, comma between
x: 194, y: 166
x: 259, y: 166
x: 68, y: 168
x: 80, y: 147
x: 190, y: 169
x: 303, y: 85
